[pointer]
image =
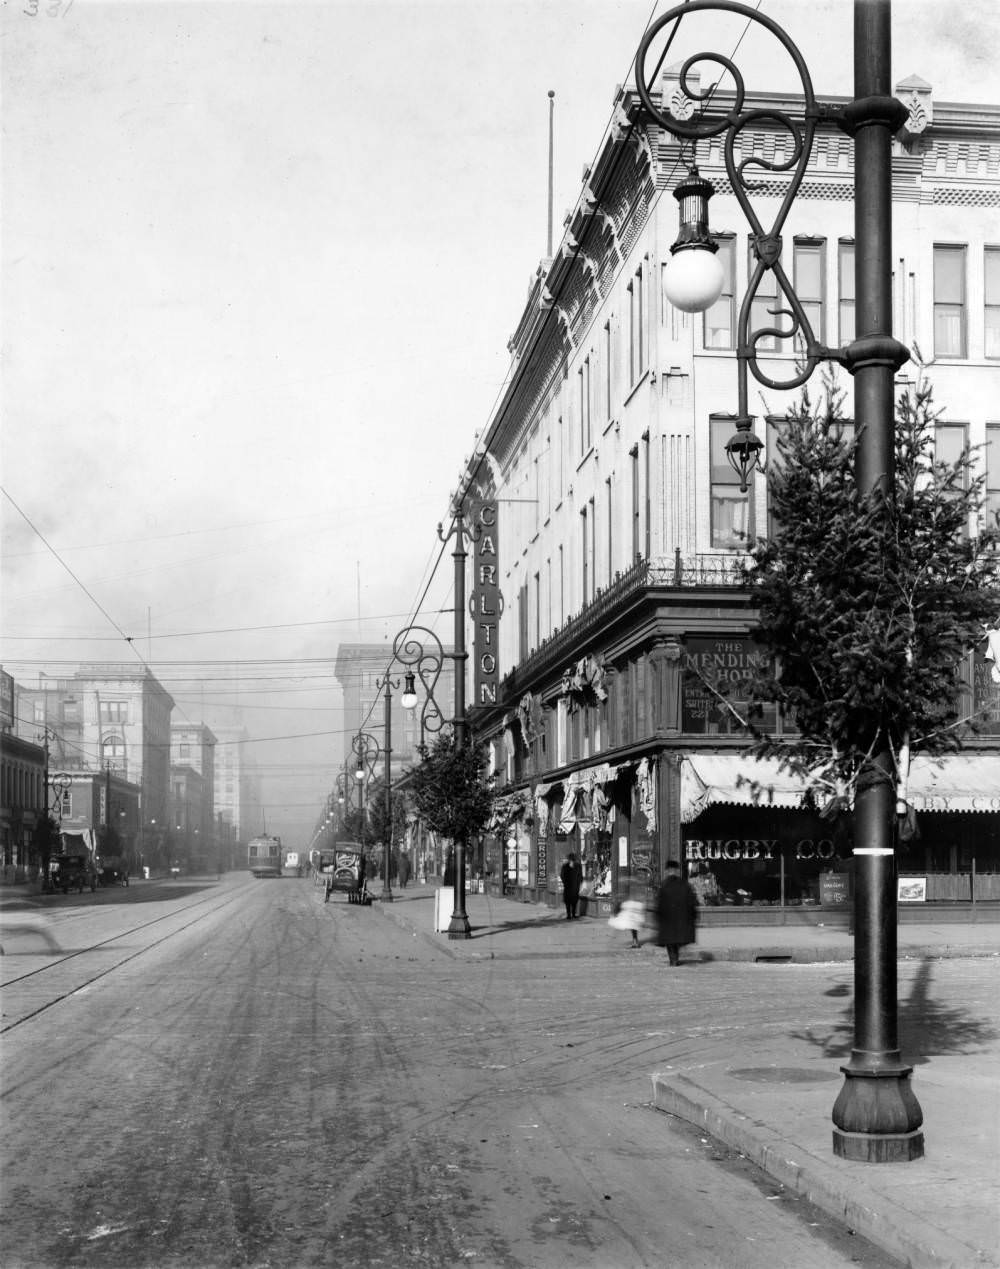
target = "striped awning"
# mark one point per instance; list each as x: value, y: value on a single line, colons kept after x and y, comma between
x: 955, y: 782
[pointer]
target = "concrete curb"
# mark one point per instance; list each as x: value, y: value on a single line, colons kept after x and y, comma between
x: 896, y: 1230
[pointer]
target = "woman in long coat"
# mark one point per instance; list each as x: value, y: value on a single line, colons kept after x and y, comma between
x: 676, y: 913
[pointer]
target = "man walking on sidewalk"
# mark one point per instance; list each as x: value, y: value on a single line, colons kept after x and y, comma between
x: 571, y: 875
x: 676, y: 912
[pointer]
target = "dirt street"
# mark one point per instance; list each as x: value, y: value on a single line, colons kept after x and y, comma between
x: 235, y: 1074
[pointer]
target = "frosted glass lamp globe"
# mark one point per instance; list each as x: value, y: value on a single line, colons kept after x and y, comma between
x: 693, y: 279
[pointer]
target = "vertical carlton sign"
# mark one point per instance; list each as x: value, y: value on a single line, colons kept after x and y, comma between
x: 486, y: 604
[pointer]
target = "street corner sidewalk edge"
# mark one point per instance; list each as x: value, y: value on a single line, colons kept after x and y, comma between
x: 919, y: 1243
x: 438, y: 942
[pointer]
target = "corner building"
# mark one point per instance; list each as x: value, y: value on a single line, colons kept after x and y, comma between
x: 620, y: 525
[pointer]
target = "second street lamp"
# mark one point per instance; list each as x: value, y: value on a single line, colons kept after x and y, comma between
x: 388, y: 683
x: 876, y: 1116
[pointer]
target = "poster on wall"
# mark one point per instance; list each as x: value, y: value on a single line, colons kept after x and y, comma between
x: 911, y: 889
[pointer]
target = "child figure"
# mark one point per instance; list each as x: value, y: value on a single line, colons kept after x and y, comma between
x: 631, y: 915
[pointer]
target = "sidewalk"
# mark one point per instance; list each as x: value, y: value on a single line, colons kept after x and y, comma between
x: 772, y: 1101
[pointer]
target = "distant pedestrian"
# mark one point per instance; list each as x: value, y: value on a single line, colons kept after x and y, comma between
x: 631, y: 915
x: 676, y: 913
x: 571, y: 875
x: 403, y: 870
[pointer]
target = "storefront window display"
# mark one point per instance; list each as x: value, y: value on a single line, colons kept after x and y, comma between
x: 741, y: 856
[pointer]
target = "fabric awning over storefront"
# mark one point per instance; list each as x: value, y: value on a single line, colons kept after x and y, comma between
x: 957, y: 782
x: 737, y: 780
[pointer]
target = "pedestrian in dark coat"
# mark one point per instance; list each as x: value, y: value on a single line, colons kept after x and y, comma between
x: 676, y: 913
x: 571, y: 875
x: 404, y: 870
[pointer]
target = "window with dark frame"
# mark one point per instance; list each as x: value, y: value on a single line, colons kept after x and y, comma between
x: 637, y: 329
x: 719, y: 322
x: 634, y: 468
x: 647, y: 496
x: 611, y: 531
x: 991, y: 501
x: 808, y: 278
x: 949, y: 301
x: 951, y: 440
x: 774, y: 425
x: 991, y: 299
x: 607, y: 371
x: 730, y: 509
x: 845, y: 292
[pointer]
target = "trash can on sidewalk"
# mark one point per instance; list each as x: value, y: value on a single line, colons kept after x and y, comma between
x: 444, y: 906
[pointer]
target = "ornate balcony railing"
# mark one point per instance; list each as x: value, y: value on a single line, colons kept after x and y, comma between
x: 700, y: 570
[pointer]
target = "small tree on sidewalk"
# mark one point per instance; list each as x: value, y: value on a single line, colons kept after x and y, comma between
x: 869, y: 605
x: 452, y: 790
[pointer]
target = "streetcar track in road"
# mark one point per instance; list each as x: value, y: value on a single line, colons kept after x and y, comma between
x: 110, y: 969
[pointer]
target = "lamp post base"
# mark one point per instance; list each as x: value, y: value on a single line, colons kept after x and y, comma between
x: 877, y: 1118
x: 458, y: 927
x: 385, y: 896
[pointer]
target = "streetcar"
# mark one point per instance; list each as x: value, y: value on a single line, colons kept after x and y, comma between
x: 343, y: 871
x: 264, y: 856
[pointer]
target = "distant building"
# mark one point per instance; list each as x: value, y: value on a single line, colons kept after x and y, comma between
x: 23, y: 803
x: 237, y: 793
x: 97, y: 812
x: 192, y: 793
x: 105, y: 718
x: 359, y: 668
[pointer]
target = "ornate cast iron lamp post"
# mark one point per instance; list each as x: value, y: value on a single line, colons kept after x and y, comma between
x: 876, y: 1115
x: 388, y: 683
x: 458, y: 927
x: 419, y: 650
x: 366, y: 755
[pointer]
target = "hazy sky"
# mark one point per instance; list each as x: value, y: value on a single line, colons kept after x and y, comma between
x: 260, y: 263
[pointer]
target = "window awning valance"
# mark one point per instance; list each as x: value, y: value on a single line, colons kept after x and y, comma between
x: 955, y: 782
x: 737, y: 780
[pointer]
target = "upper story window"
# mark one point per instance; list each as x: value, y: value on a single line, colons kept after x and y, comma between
x: 634, y: 470
x: 845, y: 292
x: 113, y: 753
x: 991, y: 292
x: 720, y: 319
x: 636, y: 328
x: 775, y: 423
x: 808, y: 275
x: 585, y: 406
x: 950, y: 442
x: 761, y: 317
x: 949, y: 301
x: 730, y: 513
x: 585, y: 552
x: 991, y: 504
x: 114, y: 711
x: 606, y: 379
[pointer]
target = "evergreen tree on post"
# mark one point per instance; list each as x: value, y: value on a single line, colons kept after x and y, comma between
x: 869, y: 605
x: 452, y: 791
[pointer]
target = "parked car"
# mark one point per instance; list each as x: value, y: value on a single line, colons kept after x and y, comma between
x: 72, y: 872
x: 113, y: 873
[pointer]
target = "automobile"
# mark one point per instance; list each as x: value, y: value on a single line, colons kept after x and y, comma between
x: 72, y: 872
x: 114, y: 874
